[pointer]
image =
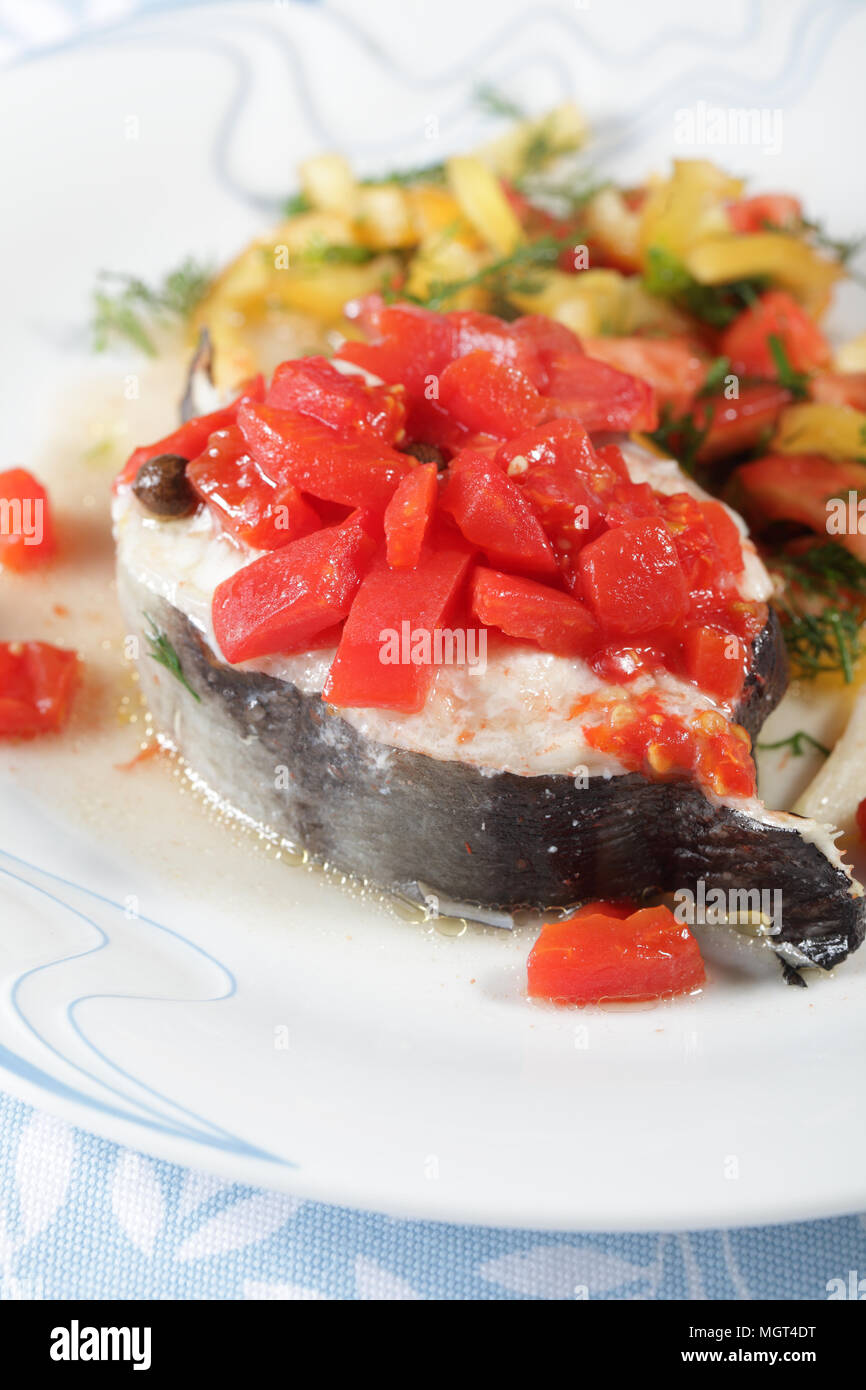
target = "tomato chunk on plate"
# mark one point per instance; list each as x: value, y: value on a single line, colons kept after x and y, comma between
x: 26, y: 524
x: 37, y: 683
x: 494, y: 514
x: 388, y: 655
x: 533, y: 612
x: 283, y: 600
x: 633, y: 579
x: 314, y: 386
x: 776, y: 315
x: 715, y: 660
x: 294, y: 448
x: 598, y: 395
x: 409, y: 513
x: 597, y: 957
x: 489, y: 396
x: 250, y: 506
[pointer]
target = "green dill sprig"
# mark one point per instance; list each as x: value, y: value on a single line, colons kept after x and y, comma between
x: 503, y: 277
x: 161, y: 650
x: 716, y: 305
x: 795, y: 742
x: 795, y: 382
x: 821, y: 608
x: 495, y: 102
x: 295, y: 204
x: 126, y: 307
x: 682, y: 436
x: 714, y: 380
x: 336, y: 253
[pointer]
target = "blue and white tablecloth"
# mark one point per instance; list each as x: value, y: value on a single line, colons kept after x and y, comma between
x: 83, y: 1218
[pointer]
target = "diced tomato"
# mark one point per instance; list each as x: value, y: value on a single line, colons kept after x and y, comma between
x: 289, y: 596
x: 629, y: 501
x: 673, y: 367
x: 765, y: 210
x: 26, y: 523
x: 797, y: 487
x: 493, y: 513
x: 632, y: 578
x: 598, y: 957
x: 409, y: 513
x: 37, y: 683
x: 411, y: 345
x: 736, y: 426
x: 776, y: 314
x: 839, y: 388
x: 314, y: 386
x: 598, y: 395
x: 698, y: 555
x: 191, y: 439
x: 533, y: 612
x: 565, y: 479
x: 489, y: 396
x: 546, y: 335
x: 726, y: 536
x: 621, y: 664
x: 716, y: 661
x: 393, y: 609
x: 263, y: 514
x: 860, y: 818
x: 474, y: 332
x: 337, y: 468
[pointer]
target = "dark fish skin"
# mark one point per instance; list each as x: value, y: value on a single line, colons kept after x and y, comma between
x: 502, y: 840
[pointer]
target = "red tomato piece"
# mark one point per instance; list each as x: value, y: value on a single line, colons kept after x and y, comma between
x: 314, y: 386
x: 533, y: 612
x: 489, y: 396
x: 26, y: 522
x: 765, y: 210
x: 726, y: 536
x: 546, y: 335
x: 860, y: 818
x: 474, y: 331
x: 597, y: 957
x: 776, y: 314
x: 564, y: 478
x: 735, y: 426
x: 629, y: 501
x: 839, y: 388
x: 557, y: 443
x: 294, y: 448
x: 716, y: 661
x: 598, y: 395
x: 408, y: 515
x: 673, y: 367
x: 286, y: 598
x: 797, y: 487
x: 263, y: 514
x: 191, y: 439
x: 37, y: 683
x: 633, y: 579
x: 493, y: 513
x: 411, y: 345
x: 388, y: 655
x: 620, y: 665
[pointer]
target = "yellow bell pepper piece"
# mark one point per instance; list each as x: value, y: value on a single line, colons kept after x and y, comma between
x: 613, y: 226
x: 383, y: 217
x: 786, y: 260
x: 329, y: 183
x: 536, y: 141
x: 445, y: 260
x: 851, y: 357
x: 835, y: 430
x: 590, y: 302
x: 432, y: 208
x: 481, y: 200
x: 681, y: 211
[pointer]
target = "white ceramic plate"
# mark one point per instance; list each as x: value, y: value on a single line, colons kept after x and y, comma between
x: 167, y: 982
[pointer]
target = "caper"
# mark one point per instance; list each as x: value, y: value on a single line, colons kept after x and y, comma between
x: 162, y: 487
x: 425, y: 453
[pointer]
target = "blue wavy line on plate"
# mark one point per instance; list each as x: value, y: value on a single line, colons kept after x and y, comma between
x: 207, y: 1134
x: 805, y: 54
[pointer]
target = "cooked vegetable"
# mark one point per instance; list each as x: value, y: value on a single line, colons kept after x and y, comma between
x: 26, y: 521
x: 37, y: 684
x: 598, y: 956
